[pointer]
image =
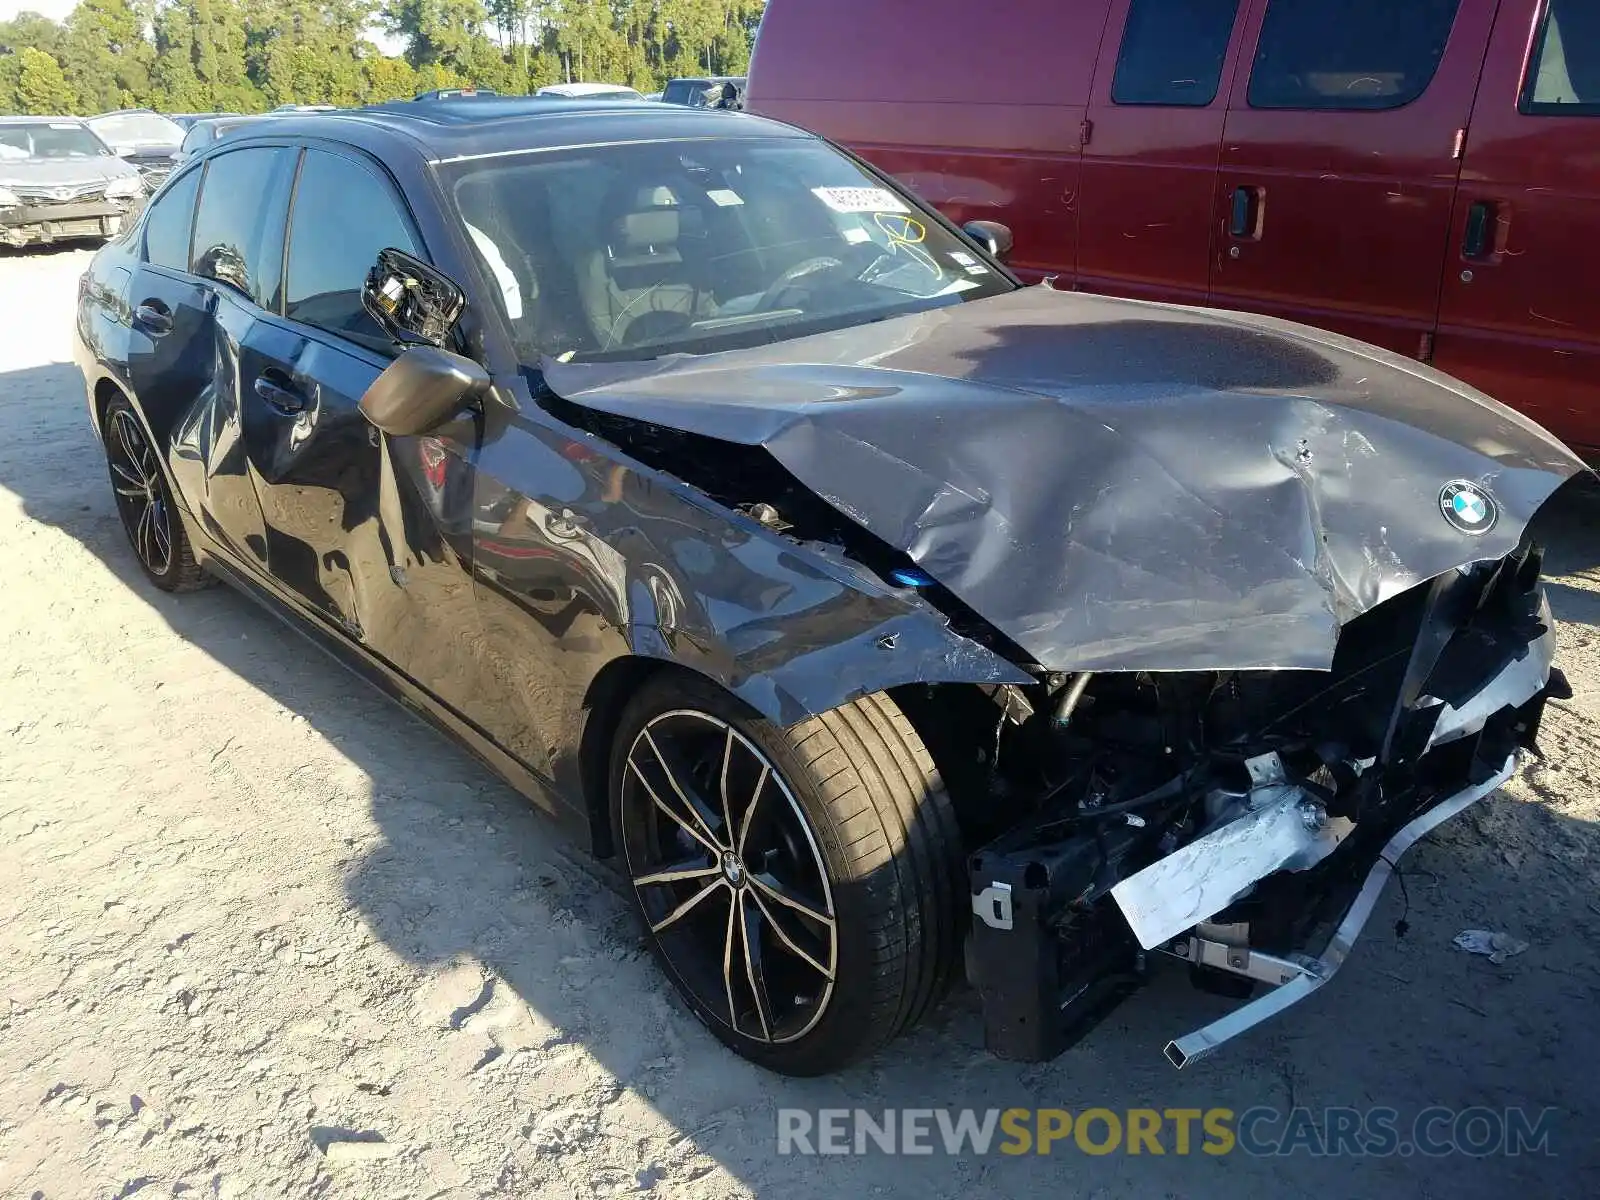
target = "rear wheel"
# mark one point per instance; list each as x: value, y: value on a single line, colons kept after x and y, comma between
x: 144, y: 502
x: 801, y: 887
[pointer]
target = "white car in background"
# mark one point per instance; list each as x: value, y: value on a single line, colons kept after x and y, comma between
x: 590, y: 91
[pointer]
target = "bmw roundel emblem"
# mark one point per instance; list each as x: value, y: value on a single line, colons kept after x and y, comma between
x: 1468, y: 507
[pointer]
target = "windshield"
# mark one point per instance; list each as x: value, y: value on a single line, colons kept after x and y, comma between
x: 133, y: 129
x: 635, y: 251
x: 58, y: 139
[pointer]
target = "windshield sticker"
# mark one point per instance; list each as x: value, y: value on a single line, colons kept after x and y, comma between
x: 859, y: 199
x: 857, y: 236
x: 975, y: 269
x: 724, y: 198
x: 63, y: 125
x: 962, y: 258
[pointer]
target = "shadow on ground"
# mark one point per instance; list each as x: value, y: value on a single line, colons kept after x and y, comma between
x: 1411, y: 1023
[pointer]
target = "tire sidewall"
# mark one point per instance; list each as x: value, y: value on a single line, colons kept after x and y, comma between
x: 162, y: 579
x: 845, y: 1025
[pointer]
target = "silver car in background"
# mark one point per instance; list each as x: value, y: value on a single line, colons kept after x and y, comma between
x: 59, y: 181
x: 143, y: 138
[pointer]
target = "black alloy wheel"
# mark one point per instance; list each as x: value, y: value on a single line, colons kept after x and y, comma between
x: 803, y: 887
x: 729, y: 876
x: 144, y: 502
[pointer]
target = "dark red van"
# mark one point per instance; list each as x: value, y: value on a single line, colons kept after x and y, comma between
x: 1420, y: 174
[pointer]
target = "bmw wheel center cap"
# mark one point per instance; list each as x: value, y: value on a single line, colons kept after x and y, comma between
x: 1468, y: 507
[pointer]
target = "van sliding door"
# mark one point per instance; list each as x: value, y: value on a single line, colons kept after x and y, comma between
x: 1340, y: 158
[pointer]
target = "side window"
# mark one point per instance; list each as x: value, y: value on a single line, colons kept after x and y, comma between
x: 167, y: 226
x: 1172, y: 52
x: 343, y: 215
x: 238, y: 230
x: 1353, y: 55
x: 1564, y: 74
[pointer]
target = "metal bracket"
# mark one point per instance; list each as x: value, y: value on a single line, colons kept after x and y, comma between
x: 992, y: 906
x: 1236, y: 960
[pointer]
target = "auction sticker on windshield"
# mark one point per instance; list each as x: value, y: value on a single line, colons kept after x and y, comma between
x: 859, y: 199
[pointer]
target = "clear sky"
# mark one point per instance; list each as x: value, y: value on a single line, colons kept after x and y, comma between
x: 54, y: 9
x: 58, y: 9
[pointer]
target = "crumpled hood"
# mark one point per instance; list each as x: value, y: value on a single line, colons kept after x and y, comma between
x: 62, y: 172
x: 1119, y: 485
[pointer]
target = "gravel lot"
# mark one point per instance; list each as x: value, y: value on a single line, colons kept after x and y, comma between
x: 250, y: 911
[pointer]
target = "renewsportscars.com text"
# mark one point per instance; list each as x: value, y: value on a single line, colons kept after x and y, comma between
x: 1262, y: 1132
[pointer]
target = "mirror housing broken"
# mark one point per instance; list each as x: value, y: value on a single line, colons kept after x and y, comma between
x: 412, y: 302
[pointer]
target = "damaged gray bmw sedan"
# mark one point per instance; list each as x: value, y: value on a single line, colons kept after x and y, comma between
x: 882, y: 618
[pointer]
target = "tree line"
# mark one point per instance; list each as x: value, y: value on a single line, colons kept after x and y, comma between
x: 250, y: 55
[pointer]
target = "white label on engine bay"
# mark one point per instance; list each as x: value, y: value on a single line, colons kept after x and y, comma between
x: 859, y: 199
x: 724, y: 198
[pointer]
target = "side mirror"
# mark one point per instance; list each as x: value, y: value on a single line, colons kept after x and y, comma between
x: 992, y: 236
x: 414, y: 304
x: 421, y: 390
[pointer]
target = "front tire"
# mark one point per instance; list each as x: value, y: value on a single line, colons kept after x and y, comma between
x: 144, y: 502
x: 801, y: 887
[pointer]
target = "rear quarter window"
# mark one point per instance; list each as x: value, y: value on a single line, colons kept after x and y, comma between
x: 169, y: 222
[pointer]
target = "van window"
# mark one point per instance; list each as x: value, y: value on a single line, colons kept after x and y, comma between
x: 1564, y: 76
x: 1172, y: 52
x: 1349, y: 54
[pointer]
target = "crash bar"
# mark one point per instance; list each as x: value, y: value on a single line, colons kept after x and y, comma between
x: 1194, y: 1046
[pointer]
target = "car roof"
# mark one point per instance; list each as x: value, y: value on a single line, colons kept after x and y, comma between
x: 20, y: 119
x: 444, y: 130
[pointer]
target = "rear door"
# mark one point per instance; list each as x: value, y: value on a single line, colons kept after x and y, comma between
x: 1520, y: 315
x: 1150, y: 162
x: 1340, y: 162
x: 198, y: 323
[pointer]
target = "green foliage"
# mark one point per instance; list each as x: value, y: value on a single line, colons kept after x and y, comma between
x: 248, y: 55
x: 41, y: 88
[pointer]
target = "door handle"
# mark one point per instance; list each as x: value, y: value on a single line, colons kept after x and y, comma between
x: 1482, y: 220
x: 1245, y: 220
x: 285, y: 400
x: 152, y: 316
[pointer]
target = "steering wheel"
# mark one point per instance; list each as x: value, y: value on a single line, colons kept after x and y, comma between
x: 811, y: 266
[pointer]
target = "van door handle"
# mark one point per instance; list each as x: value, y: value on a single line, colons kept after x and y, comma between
x: 152, y: 316
x: 285, y: 400
x: 1482, y: 218
x: 1244, y: 221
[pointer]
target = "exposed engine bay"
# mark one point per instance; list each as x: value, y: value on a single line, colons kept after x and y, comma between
x: 1227, y: 821
x: 1274, y: 592
x: 1224, y: 820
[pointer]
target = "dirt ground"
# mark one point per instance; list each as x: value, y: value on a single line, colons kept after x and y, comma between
x: 250, y: 912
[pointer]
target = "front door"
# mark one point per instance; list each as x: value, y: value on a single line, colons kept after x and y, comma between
x: 1340, y: 161
x: 357, y: 522
x: 1520, y: 314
